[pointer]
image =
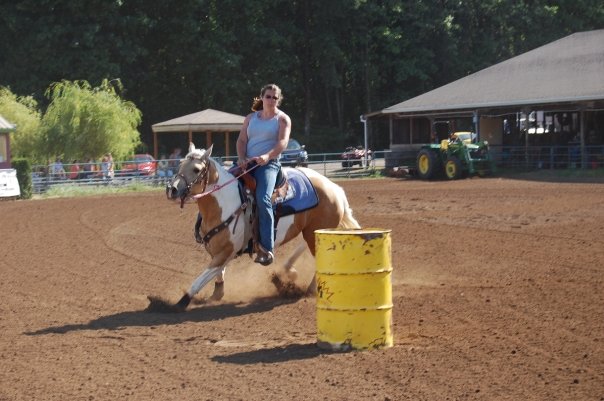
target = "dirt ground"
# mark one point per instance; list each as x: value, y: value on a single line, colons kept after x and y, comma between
x: 497, y: 286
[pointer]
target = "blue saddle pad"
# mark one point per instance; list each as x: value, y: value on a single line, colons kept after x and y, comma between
x: 301, y: 195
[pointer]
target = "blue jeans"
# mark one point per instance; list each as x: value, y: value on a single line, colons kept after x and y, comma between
x: 266, y: 178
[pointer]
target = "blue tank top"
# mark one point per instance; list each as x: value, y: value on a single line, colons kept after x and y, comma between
x: 262, y: 135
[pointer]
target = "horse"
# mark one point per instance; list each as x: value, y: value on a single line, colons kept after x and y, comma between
x: 227, y: 223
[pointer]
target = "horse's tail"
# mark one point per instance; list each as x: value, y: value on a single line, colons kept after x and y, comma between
x: 347, y: 221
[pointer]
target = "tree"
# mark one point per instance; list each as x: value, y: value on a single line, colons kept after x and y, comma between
x: 83, y: 122
x: 23, y: 112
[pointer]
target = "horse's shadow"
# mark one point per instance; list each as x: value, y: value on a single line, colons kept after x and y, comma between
x: 144, y: 318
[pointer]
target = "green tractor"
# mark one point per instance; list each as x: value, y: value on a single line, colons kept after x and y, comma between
x: 457, y: 157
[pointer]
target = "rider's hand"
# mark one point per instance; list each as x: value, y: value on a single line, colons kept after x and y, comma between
x: 262, y: 159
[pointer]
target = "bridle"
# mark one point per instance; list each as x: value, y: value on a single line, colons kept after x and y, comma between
x: 203, y: 175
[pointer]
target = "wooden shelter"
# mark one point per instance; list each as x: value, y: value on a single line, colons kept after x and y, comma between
x: 208, y: 121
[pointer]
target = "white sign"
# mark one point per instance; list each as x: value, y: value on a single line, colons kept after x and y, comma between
x: 9, y: 185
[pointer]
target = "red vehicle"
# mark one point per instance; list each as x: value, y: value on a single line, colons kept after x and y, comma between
x: 143, y: 164
x: 352, y: 156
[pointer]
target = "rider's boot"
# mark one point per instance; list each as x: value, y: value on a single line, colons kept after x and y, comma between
x: 263, y: 256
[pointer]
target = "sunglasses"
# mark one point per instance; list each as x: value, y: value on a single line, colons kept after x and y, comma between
x: 271, y: 97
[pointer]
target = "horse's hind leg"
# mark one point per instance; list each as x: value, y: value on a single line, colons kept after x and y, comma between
x: 309, y: 237
x: 291, y: 271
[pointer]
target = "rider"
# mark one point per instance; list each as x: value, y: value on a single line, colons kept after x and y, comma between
x: 263, y: 136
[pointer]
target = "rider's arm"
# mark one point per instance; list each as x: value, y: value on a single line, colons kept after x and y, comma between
x: 285, y: 127
x: 242, y: 143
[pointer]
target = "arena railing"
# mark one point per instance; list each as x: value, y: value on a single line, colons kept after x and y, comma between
x: 331, y: 165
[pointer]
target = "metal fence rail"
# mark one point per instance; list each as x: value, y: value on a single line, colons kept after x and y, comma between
x: 548, y: 157
x: 330, y: 165
x: 43, y: 178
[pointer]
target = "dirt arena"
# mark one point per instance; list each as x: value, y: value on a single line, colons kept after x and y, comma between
x: 498, y: 295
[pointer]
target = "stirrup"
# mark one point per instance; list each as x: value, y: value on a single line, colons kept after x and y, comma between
x: 265, y: 258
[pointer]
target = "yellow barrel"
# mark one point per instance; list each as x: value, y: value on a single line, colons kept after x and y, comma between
x: 354, y: 289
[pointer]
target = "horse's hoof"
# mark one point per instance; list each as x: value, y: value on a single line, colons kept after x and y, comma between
x: 182, y: 304
x: 159, y: 305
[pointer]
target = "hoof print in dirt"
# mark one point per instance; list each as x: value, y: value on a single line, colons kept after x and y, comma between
x: 286, y: 289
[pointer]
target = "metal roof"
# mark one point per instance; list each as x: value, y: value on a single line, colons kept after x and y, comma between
x: 202, y: 121
x: 5, y: 126
x: 570, y: 69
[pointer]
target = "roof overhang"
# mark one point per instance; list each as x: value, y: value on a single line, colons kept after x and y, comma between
x: 208, y: 120
x: 564, y: 73
x: 197, y: 128
x: 6, y: 126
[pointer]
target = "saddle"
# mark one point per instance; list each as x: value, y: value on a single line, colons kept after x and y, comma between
x: 249, y: 182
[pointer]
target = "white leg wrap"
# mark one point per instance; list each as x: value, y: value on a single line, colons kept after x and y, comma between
x: 204, y: 278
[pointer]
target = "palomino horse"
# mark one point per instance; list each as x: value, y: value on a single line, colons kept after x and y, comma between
x: 227, y: 222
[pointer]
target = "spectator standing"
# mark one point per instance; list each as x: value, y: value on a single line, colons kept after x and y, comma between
x: 74, y: 170
x: 163, y: 168
x: 107, y: 167
x: 88, y: 169
x: 174, y: 158
x: 58, y: 171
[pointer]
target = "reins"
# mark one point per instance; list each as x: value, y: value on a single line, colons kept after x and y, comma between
x: 217, y: 187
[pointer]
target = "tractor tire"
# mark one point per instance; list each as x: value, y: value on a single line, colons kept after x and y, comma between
x: 453, y: 168
x: 427, y: 164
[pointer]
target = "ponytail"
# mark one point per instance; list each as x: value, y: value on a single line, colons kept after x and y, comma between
x: 257, y: 104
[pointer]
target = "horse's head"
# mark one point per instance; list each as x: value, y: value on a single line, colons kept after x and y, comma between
x: 193, y: 174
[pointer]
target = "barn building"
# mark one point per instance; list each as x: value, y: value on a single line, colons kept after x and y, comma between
x: 544, y: 107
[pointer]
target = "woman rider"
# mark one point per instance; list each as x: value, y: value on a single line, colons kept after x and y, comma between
x: 263, y: 136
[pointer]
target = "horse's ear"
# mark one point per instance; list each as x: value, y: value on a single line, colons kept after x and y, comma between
x: 191, y: 147
x: 208, y: 151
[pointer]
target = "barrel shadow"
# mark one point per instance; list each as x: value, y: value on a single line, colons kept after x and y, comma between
x: 291, y: 352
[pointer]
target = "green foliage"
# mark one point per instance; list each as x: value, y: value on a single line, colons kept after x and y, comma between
x: 23, y: 167
x: 23, y: 112
x: 334, y: 59
x: 83, y: 122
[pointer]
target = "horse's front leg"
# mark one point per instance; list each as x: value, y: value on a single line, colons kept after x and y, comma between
x: 200, y: 282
